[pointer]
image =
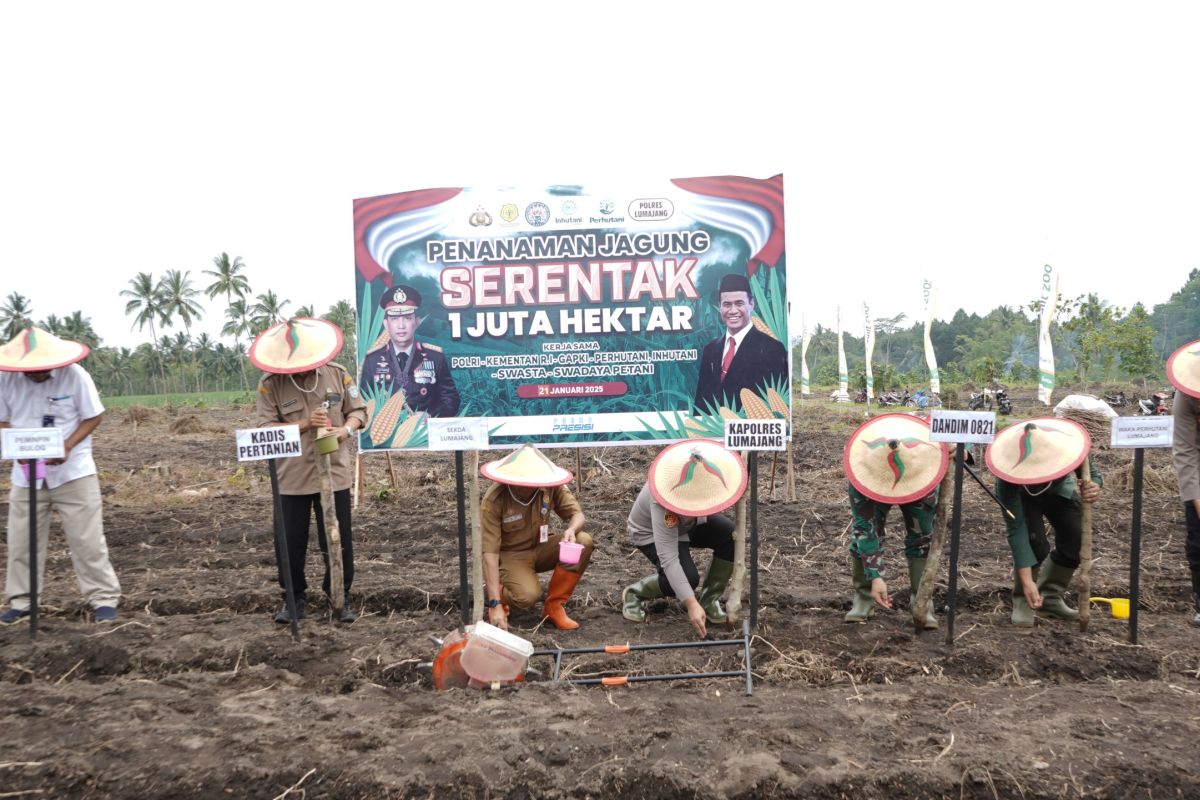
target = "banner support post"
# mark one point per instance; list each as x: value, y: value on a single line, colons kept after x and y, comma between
x: 1135, y: 545
x: 464, y: 611
x: 285, y: 564
x: 33, y: 549
x: 753, y: 469
x: 955, y: 528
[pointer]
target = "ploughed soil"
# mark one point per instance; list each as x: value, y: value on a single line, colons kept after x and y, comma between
x: 195, y: 692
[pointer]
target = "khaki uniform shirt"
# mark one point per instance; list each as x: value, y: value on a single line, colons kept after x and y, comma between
x: 509, y: 525
x: 1185, y: 447
x: 281, y: 400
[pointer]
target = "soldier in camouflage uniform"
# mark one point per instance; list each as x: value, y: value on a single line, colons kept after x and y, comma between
x: 889, y: 461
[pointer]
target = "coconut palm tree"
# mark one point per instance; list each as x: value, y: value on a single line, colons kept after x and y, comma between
x: 178, y: 294
x: 15, y: 315
x: 79, y: 328
x: 267, y: 311
x: 304, y: 311
x: 227, y: 278
x: 146, y: 304
x: 343, y: 315
x: 202, y: 352
x: 238, y: 324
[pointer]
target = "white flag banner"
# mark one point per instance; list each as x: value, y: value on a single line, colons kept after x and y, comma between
x: 869, y: 348
x: 804, y: 379
x: 1045, y: 346
x: 930, y: 293
x: 843, y: 376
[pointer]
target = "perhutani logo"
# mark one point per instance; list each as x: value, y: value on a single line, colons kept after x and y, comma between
x: 606, y: 207
x: 651, y: 209
x: 537, y: 214
x: 508, y: 212
x: 582, y: 424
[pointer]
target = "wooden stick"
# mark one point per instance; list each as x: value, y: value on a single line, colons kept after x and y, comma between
x: 392, y: 471
x: 737, y: 583
x: 925, y: 589
x: 791, y: 475
x: 333, y: 537
x: 476, y: 540
x: 579, y: 470
x: 1085, y: 553
x: 357, y: 494
x: 774, y: 464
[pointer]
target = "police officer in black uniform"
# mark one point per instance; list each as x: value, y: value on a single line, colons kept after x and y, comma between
x: 404, y: 364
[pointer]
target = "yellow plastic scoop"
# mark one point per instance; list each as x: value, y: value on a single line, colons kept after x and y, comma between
x: 1118, y: 605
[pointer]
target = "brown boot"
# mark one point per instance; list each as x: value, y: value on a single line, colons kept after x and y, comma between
x: 562, y: 583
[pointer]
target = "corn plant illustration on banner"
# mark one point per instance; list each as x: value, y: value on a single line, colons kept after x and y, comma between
x: 569, y: 315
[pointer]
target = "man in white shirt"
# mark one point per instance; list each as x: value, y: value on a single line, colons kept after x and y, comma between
x: 42, y: 386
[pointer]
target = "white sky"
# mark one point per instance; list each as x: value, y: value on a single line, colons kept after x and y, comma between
x: 964, y: 142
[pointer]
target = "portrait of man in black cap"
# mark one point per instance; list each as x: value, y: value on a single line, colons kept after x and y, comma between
x: 742, y: 357
x: 404, y: 364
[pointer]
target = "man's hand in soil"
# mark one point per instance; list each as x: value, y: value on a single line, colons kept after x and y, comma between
x: 696, y: 615
x: 1032, y: 595
x: 497, y: 617
x: 1090, y: 492
x: 879, y: 592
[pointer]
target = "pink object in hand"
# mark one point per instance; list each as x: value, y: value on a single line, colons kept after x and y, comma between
x: 41, y: 470
x: 569, y: 552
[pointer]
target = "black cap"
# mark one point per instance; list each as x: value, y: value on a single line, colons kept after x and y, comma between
x: 400, y: 300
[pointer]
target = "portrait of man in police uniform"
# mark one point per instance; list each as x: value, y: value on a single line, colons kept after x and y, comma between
x: 404, y: 364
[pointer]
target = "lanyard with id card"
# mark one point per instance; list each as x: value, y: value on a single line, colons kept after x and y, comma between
x: 544, y: 528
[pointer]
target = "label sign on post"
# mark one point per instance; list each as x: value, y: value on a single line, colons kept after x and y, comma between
x: 463, y: 433
x: 978, y: 427
x: 1142, y: 431
x: 259, y: 444
x: 756, y: 434
x: 29, y: 444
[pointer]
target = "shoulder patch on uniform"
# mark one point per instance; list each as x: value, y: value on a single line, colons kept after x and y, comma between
x: 262, y: 389
x: 432, y: 347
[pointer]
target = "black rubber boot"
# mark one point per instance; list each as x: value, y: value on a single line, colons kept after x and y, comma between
x: 1196, y: 596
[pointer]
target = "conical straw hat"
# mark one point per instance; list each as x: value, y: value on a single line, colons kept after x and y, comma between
x: 1183, y: 368
x: 697, y: 477
x: 298, y: 345
x: 1038, y: 450
x: 890, y: 459
x: 36, y: 350
x: 526, y: 467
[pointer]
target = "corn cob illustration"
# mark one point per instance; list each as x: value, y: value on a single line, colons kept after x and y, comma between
x: 728, y: 413
x: 385, y: 423
x: 694, y: 429
x: 754, y: 406
x: 763, y: 327
x: 777, y: 404
x: 406, y: 430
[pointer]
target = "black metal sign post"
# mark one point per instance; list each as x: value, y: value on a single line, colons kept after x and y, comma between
x: 753, y: 470
x: 462, y: 537
x: 955, y: 528
x: 1135, y: 545
x: 281, y: 548
x: 33, y: 548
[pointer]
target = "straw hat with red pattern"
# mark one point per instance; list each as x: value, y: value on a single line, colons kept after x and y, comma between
x: 697, y: 477
x: 297, y: 345
x: 1038, y: 450
x: 526, y: 466
x: 890, y: 459
x: 36, y: 350
x: 1183, y: 368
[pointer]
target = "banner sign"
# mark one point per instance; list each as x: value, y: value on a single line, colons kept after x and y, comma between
x: 929, y: 292
x: 756, y: 434
x: 843, y: 373
x: 1142, y: 431
x: 805, y: 387
x: 571, y: 315
x: 1045, y: 348
x: 29, y: 444
x: 259, y: 444
x: 869, y: 347
x: 977, y: 427
x: 458, y: 433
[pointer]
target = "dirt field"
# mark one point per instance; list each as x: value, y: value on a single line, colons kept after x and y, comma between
x: 196, y: 693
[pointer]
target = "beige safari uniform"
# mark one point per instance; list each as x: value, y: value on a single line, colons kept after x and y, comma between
x: 512, y: 529
x: 282, y: 399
